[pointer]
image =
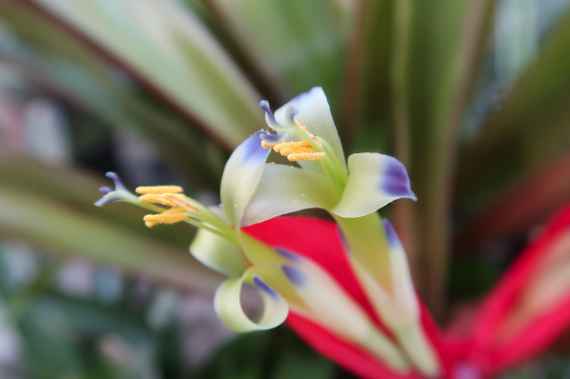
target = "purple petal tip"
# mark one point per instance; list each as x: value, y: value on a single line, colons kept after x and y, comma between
x: 396, y: 181
x: 264, y: 287
x: 288, y: 254
x: 391, y: 234
x: 295, y: 276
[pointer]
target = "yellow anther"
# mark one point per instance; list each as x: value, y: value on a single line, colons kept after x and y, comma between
x: 267, y: 145
x: 159, y: 199
x: 171, y: 216
x: 293, y: 150
x: 158, y: 189
x: 305, y: 156
x: 180, y: 201
x: 291, y: 145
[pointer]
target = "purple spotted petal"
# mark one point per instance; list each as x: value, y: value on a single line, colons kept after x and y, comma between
x: 270, y: 137
x: 241, y: 176
x: 253, y: 153
x: 343, y: 239
x: 295, y: 276
x: 264, y: 287
x: 288, y: 254
x: 395, y: 181
x: 374, y: 181
x: 391, y: 235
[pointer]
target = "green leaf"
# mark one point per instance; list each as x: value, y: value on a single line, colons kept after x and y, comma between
x: 276, y: 355
x: 196, y: 77
x: 367, y: 92
x: 52, y: 182
x: 446, y: 45
x: 59, y: 229
x: 53, y: 60
x: 529, y: 129
x: 293, y: 49
x: 241, y: 358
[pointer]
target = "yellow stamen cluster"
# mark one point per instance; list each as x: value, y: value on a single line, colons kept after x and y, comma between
x: 298, y: 151
x: 143, y: 190
x: 303, y: 150
x: 173, y: 203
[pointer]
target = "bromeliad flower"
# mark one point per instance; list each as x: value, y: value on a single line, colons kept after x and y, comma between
x: 348, y: 283
x: 303, y: 131
x: 283, y: 279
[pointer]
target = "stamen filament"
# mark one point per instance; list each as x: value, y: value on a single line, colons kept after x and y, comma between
x: 159, y: 199
x: 181, y: 202
x: 306, y: 131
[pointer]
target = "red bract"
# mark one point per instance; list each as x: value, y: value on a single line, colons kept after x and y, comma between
x: 319, y: 241
x: 498, y: 337
x: 505, y: 332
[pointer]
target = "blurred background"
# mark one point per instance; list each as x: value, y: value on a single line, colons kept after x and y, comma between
x: 474, y: 96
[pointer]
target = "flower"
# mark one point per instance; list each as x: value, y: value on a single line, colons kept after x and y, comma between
x: 348, y: 283
x: 303, y: 130
x: 283, y: 278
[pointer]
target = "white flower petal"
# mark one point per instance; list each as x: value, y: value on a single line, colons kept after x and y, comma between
x: 241, y: 176
x: 374, y: 181
x: 286, y: 189
x: 313, y: 111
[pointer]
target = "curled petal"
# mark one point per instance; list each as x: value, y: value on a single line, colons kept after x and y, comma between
x: 374, y: 181
x: 286, y: 189
x: 241, y: 176
x: 218, y: 253
x: 227, y: 303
